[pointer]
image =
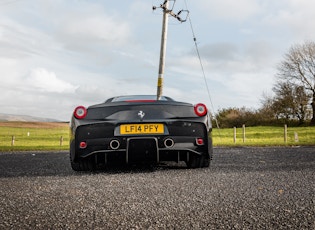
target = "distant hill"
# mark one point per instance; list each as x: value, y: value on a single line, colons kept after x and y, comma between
x: 13, y: 117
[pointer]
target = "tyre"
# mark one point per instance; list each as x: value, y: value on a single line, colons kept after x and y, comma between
x: 75, y: 166
x: 205, y: 162
x: 194, y: 161
x: 81, y: 164
x: 86, y: 164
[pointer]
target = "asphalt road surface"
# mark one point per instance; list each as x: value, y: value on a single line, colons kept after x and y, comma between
x: 244, y: 188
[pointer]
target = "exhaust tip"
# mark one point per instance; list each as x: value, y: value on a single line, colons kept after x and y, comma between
x: 169, y: 142
x: 114, y: 144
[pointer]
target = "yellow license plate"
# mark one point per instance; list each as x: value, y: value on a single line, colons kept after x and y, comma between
x: 141, y: 129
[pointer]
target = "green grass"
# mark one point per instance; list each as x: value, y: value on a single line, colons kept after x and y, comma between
x: 264, y: 136
x: 46, y: 136
x: 33, y: 136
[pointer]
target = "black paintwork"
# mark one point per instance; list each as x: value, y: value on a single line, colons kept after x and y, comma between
x: 101, y: 126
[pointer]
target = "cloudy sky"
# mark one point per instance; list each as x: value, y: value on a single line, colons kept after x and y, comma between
x: 57, y: 54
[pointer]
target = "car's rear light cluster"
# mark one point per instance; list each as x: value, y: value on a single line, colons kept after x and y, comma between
x: 200, y: 141
x: 83, y: 145
x: 80, y: 112
x: 200, y: 110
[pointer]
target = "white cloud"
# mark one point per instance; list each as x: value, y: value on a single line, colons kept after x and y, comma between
x: 295, y: 16
x: 98, y: 28
x: 46, y: 81
x: 9, y: 73
x: 63, y: 53
x: 229, y: 9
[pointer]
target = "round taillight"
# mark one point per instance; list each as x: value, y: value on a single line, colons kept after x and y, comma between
x: 199, y: 141
x: 80, y: 112
x: 83, y: 145
x: 200, y: 109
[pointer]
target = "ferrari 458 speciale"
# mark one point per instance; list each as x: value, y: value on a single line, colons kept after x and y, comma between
x: 129, y: 130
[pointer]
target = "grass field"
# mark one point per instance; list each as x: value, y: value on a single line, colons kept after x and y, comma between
x: 46, y: 136
x: 34, y: 136
x: 265, y: 136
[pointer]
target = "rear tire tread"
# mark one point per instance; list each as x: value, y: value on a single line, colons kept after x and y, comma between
x: 83, y: 165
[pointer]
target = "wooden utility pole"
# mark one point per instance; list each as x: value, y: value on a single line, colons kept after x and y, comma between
x: 163, y: 50
x: 166, y: 13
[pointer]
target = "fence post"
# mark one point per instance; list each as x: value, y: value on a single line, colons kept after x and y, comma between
x: 61, y: 140
x: 234, y: 135
x: 12, y: 141
x: 285, y: 133
x: 296, y: 137
x: 244, y: 135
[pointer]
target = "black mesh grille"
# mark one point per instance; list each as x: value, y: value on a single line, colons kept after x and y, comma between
x: 187, y: 129
x: 95, y: 131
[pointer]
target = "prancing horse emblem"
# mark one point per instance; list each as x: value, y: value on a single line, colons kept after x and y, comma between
x: 141, y: 114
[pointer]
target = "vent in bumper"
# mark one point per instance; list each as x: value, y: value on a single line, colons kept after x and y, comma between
x: 142, y: 150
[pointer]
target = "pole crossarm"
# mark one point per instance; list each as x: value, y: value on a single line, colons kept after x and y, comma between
x: 165, y: 9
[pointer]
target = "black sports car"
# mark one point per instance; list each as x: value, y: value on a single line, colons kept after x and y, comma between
x: 140, y: 129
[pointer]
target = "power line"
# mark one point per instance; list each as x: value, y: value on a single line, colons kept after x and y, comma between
x: 201, y: 65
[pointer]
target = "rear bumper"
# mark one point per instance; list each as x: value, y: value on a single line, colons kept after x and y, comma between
x: 145, y: 149
x: 178, y: 143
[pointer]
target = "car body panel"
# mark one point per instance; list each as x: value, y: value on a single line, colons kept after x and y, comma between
x: 140, y: 131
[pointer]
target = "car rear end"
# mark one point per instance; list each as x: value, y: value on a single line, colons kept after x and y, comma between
x: 140, y: 132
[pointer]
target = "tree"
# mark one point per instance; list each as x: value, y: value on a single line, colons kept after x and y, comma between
x: 236, y: 117
x: 298, y: 68
x: 290, y: 101
x: 267, y: 113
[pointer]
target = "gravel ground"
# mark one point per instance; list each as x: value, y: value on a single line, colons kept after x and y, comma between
x: 244, y: 188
